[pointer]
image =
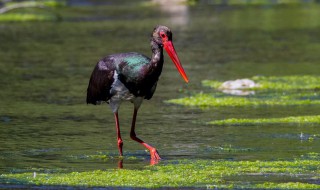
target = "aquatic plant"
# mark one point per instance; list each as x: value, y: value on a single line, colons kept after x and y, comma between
x: 284, y: 90
x: 26, y: 17
x: 205, y: 100
x: 293, y: 119
x: 184, y: 173
x: 36, y: 3
x: 103, y: 156
x: 278, y: 82
x: 229, y: 148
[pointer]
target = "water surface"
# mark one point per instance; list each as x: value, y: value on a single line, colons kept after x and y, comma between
x: 45, y: 123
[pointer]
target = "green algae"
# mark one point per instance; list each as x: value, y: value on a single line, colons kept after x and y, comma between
x: 295, y: 82
x: 229, y: 148
x: 48, y: 3
x: 8, y: 17
x: 207, y: 100
x: 290, y: 185
x: 293, y: 119
x: 103, y: 156
x: 274, y: 91
x: 185, y: 173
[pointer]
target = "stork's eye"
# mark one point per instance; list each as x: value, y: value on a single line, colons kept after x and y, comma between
x: 163, y: 35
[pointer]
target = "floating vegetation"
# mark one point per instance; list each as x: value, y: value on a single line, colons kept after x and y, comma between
x: 311, y: 156
x: 35, y: 3
x: 206, y: 100
x: 277, y: 83
x: 297, y: 120
x: 103, y: 157
x: 26, y: 17
x: 93, y: 157
x: 228, y: 148
x: 284, y: 91
x: 186, y: 173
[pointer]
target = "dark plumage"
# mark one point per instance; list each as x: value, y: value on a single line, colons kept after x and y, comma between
x: 141, y: 82
x: 132, y: 77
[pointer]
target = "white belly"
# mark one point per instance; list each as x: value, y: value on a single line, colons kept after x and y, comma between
x: 119, y: 92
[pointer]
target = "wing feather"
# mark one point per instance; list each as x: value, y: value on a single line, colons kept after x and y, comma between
x: 101, y: 81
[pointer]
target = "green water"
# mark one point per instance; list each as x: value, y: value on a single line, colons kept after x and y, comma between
x: 46, y: 125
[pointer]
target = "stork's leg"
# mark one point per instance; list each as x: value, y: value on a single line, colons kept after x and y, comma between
x: 153, y: 152
x: 120, y: 143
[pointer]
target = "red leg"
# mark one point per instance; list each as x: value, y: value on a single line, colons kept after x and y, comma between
x: 153, y: 152
x: 120, y: 143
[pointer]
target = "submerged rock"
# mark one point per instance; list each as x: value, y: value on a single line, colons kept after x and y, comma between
x: 239, y: 84
x: 238, y: 87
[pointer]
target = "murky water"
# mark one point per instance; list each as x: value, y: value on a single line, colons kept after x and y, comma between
x: 45, y: 68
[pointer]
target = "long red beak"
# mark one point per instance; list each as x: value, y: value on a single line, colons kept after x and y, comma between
x: 168, y: 46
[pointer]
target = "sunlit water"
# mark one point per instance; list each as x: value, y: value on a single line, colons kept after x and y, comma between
x: 45, y: 123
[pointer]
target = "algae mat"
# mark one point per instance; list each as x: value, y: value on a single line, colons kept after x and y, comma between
x: 299, y: 173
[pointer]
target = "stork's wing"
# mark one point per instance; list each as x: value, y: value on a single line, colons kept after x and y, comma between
x: 101, y: 81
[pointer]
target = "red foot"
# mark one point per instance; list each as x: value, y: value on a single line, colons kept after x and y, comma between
x: 120, y: 145
x: 155, y: 158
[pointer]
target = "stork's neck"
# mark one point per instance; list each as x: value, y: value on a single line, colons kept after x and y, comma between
x: 157, y: 55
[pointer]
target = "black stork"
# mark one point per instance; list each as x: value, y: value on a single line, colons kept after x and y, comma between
x: 132, y: 77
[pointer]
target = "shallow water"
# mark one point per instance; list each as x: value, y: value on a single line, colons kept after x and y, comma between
x: 45, y: 67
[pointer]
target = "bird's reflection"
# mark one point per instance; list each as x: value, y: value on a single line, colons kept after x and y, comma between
x: 152, y: 162
x: 120, y: 163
